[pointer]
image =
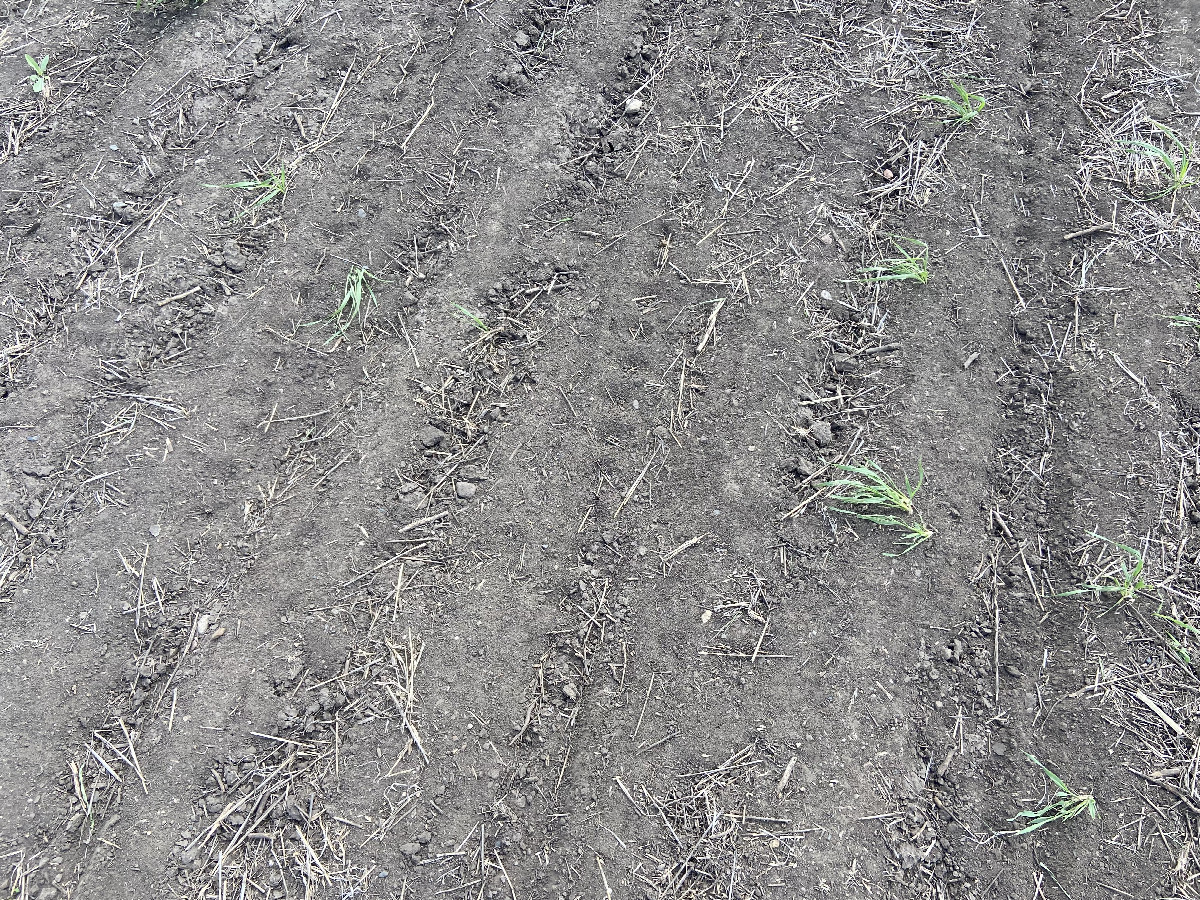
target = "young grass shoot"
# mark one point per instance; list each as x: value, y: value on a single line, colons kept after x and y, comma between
x: 473, y: 317
x: 1188, y: 632
x: 1064, y: 804
x: 1185, y: 321
x: 911, y: 265
x: 1123, y: 577
x: 358, y: 299
x: 868, y: 493
x: 964, y: 108
x: 268, y: 187
x: 1171, y: 161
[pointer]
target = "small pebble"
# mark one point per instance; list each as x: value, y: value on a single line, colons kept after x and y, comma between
x: 431, y: 437
x: 633, y: 106
x: 232, y: 256
x: 821, y: 433
x: 826, y: 296
x: 464, y: 490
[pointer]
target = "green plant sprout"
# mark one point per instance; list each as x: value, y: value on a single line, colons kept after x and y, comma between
x: 869, y: 494
x: 358, y: 298
x: 1127, y: 581
x: 1179, y: 650
x: 965, y: 108
x: 38, y: 80
x: 912, y: 532
x: 1185, y: 321
x: 1064, y: 804
x: 474, y: 317
x: 1177, y: 647
x: 911, y: 265
x: 1188, y: 630
x: 268, y: 186
x: 873, y: 489
x: 1175, y: 166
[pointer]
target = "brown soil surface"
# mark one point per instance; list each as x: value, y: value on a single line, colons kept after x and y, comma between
x: 420, y: 425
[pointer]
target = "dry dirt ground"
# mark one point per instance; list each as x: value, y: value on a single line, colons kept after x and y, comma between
x: 421, y: 424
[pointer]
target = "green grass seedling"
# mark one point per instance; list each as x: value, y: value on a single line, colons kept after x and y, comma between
x: 1177, y: 646
x: 474, y: 317
x: 912, y: 532
x: 1064, y: 804
x: 870, y: 494
x: 1173, y: 161
x: 911, y: 265
x: 1189, y: 634
x: 268, y: 188
x: 39, y: 81
x: 1125, y: 577
x: 869, y: 489
x: 1185, y: 321
x: 358, y: 299
x: 965, y: 108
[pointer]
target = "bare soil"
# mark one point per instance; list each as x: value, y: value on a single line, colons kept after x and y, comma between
x: 526, y: 578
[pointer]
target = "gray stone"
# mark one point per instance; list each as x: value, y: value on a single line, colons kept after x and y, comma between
x: 821, y: 433
x: 431, y: 437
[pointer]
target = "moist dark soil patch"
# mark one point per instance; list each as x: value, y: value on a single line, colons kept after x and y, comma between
x: 433, y: 436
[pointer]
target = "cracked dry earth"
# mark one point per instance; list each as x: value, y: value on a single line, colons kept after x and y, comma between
x: 419, y: 424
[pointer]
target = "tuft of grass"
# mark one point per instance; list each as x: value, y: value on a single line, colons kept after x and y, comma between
x: 965, y: 108
x: 268, y: 187
x: 912, y: 533
x: 39, y: 81
x: 870, y: 494
x: 911, y: 265
x: 1126, y: 578
x: 1186, y: 628
x: 358, y: 299
x: 870, y: 488
x: 474, y: 317
x: 1184, y: 321
x: 1173, y: 161
x: 1064, y: 804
